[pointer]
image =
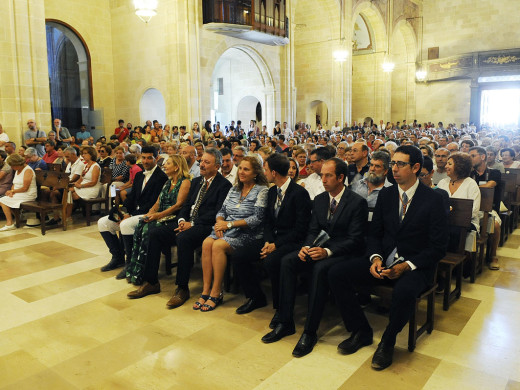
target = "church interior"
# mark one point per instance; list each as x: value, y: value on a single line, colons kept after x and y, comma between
x: 66, y: 325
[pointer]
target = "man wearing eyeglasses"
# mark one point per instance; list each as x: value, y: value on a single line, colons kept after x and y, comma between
x: 313, y: 183
x: 441, y: 159
x: 409, y: 222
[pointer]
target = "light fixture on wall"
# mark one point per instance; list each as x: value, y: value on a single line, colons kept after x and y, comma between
x: 388, y: 66
x: 145, y: 9
x: 340, y: 55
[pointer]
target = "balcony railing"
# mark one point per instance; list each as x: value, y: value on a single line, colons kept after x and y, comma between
x: 267, y: 16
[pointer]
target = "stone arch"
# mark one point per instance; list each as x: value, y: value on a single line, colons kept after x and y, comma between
x: 315, y: 108
x: 372, y: 16
x: 265, y: 92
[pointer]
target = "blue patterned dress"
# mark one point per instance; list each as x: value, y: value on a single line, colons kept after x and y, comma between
x: 251, y: 209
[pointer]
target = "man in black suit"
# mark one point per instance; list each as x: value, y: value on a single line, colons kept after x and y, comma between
x: 343, y: 215
x: 409, y: 222
x: 146, y: 188
x: 286, y: 222
x: 196, y: 219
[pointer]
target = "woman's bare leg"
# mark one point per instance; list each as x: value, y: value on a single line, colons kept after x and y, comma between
x: 8, y: 214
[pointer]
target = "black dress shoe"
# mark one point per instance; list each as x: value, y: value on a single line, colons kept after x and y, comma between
x: 251, y: 305
x: 357, y: 340
x: 305, y: 344
x: 383, y: 356
x: 113, y: 264
x: 275, y: 321
x: 279, y: 332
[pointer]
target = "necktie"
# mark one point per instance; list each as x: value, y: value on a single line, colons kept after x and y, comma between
x: 333, y: 206
x: 404, y: 201
x: 202, y: 192
x: 278, y: 202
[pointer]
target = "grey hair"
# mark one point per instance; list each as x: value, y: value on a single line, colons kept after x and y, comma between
x: 383, y: 157
x: 243, y: 149
x: 135, y: 148
x: 71, y: 150
x: 30, y: 152
x: 215, y: 153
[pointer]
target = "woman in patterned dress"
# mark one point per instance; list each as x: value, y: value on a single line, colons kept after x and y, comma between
x: 239, y: 223
x: 172, y: 197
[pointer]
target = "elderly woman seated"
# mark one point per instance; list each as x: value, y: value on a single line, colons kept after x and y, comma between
x: 6, y: 174
x: 88, y: 185
x: 22, y: 190
x: 34, y: 161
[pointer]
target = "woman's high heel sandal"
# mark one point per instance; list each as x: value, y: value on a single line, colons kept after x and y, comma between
x: 216, y: 300
x: 197, y: 305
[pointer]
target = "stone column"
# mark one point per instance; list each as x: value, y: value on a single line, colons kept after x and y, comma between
x: 474, y: 108
x: 24, y: 77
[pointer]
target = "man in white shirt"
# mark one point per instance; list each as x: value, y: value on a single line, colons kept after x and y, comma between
x: 228, y: 169
x: 190, y: 154
x: 335, y: 128
x: 441, y: 159
x: 313, y: 183
x: 4, y: 138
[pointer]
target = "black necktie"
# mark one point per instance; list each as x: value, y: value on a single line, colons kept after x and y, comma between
x: 202, y: 192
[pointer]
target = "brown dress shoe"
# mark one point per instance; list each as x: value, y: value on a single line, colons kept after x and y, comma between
x: 179, y: 297
x: 144, y: 290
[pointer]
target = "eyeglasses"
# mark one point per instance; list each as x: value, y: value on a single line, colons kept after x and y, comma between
x: 423, y: 175
x: 441, y: 156
x: 400, y: 164
x: 313, y: 161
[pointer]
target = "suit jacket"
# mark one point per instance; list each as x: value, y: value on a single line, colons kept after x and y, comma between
x: 293, y: 219
x: 421, y: 237
x: 346, y: 229
x: 140, y: 200
x: 211, y: 203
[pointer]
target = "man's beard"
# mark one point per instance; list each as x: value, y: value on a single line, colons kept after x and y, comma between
x: 375, y: 179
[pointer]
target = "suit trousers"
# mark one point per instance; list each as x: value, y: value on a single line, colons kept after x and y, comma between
x: 187, y: 242
x: 242, y: 259
x: 354, y: 274
x: 318, y: 288
x: 160, y: 237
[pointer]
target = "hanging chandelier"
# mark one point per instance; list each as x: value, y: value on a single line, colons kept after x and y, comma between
x: 145, y: 9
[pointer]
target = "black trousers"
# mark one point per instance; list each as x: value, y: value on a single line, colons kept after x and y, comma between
x: 346, y: 277
x: 242, y: 259
x: 160, y: 237
x: 187, y: 242
x: 291, y: 265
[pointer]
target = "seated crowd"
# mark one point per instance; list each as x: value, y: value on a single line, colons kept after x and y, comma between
x: 339, y: 206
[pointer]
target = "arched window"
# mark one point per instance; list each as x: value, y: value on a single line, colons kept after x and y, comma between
x: 69, y: 75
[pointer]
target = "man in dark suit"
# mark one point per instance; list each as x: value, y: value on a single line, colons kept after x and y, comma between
x: 343, y: 215
x: 145, y: 190
x: 196, y: 219
x: 409, y: 222
x: 286, y: 222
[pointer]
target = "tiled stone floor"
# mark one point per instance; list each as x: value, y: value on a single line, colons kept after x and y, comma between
x: 66, y: 325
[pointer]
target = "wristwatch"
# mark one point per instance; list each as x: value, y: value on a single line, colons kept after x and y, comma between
x: 230, y: 225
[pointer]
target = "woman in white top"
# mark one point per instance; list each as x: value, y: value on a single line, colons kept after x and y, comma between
x: 23, y: 190
x: 88, y: 185
x: 508, y: 156
x: 458, y: 184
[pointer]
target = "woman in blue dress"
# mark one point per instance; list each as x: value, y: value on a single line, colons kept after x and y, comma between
x: 239, y: 223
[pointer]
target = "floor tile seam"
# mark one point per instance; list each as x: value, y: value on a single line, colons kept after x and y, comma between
x: 48, y: 275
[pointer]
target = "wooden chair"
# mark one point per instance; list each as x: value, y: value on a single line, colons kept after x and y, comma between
x: 56, y: 181
x: 385, y: 292
x: 55, y: 167
x: 477, y: 258
x: 459, y: 220
x: 514, y: 199
x: 106, y: 180
x: 508, y: 196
